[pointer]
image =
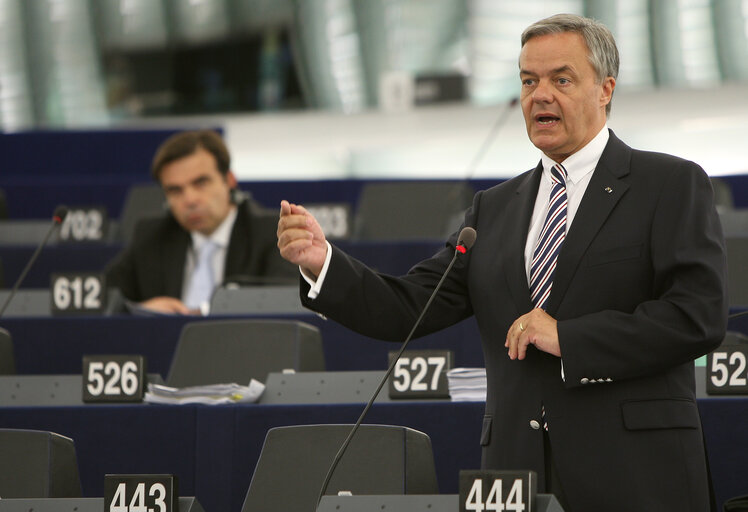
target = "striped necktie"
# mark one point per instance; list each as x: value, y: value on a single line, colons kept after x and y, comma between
x: 549, y: 242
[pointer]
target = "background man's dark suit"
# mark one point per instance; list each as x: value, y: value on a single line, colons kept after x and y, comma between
x: 153, y: 264
x: 638, y: 294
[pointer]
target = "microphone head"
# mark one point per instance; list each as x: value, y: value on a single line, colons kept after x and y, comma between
x: 467, y: 237
x: 60, y: 213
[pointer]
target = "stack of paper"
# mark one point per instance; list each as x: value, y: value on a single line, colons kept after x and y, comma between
x: 211, y: 394
x: 467, y: 384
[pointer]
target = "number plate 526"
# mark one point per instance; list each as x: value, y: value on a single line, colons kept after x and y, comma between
x: 113, y: 378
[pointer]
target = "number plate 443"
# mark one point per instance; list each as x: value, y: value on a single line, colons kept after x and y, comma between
x: 141, y: 493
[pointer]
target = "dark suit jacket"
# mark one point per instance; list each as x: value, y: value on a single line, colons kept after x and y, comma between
x: 153, y: 264
x: 638, y: 294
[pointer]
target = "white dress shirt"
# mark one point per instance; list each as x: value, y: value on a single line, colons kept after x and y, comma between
x: 579, y: 167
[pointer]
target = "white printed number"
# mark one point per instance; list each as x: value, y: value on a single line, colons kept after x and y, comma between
x: 420, y: 367
x: 82, y: 225
x: 137, y: 502
x: 77, y: 293
x: 332, y: 219
x: 112, y: 380
x: 721, y: 369
x: 514, y: 500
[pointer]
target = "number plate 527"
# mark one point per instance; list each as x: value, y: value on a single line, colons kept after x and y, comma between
x: 420, y: 374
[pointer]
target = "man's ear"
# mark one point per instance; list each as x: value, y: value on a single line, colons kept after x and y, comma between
x: 608, y: 86
x: 231, y: 180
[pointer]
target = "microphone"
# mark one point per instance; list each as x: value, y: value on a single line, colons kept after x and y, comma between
x: 465, y: 241
x: 57, y: 217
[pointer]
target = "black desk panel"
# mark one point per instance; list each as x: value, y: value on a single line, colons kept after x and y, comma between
x: 213, y: 449
x: 55, y: 345
x: 725, y: 423
x: 230, y: 440
x: 119, y: 439
x: 386, y: 256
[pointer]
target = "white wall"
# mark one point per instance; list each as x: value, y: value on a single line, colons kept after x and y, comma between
x: 707, y: 126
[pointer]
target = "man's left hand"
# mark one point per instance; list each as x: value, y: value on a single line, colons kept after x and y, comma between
x: 535, y: 328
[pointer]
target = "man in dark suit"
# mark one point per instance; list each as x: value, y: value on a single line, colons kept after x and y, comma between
x: 596, y: 279
x: 206, y: 211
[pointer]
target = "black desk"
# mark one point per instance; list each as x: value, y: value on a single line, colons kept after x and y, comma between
x: 213, y: 449
x: 55, y: 345
x: 386, y: 256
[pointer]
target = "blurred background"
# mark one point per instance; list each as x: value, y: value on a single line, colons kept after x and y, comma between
x: 325, y: 89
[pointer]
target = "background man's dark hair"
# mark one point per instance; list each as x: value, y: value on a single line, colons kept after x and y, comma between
x: 184, y: 144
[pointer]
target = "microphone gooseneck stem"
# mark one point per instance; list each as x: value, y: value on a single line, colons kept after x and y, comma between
x: 387, y: 374
x: 737, y: 315
x: 28, y: 267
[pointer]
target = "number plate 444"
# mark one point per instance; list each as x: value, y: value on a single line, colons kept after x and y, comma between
x: 510, y: 491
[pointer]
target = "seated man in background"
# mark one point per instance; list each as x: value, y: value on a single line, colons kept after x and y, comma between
x: 210, y: 234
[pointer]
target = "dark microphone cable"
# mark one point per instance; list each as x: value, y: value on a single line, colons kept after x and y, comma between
x: 737, y: 315
x: 57, y: 218
x: 501, y: 119
x: 500, y: 122
x: 464, y: 242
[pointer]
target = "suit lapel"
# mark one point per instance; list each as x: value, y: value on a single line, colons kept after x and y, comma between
x: 605, y: 189
x: 174, y: 260
x: 239, y: 243
x: 515, y: 238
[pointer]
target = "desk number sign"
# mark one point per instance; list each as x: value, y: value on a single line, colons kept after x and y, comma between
x: 141, y: 493
x: 726, y: 370
x: 84, y: 224
x: 510, y: 491
x: 420, y: 374
x: 78, y: 293
x: 113, y: 378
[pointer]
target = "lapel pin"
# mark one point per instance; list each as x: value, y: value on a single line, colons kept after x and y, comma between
x: 609, y: 190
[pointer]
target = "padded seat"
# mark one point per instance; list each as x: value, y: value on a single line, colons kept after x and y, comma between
x: 7, y: 358
x: 37, y: 464
x: 411, y: 209
x: 381, y: 459
x: 226, y: 351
